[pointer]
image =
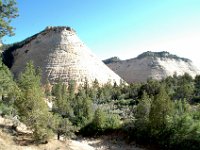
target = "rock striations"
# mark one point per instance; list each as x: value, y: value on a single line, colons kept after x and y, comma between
x: 156, y: 65
x: 60, y: 54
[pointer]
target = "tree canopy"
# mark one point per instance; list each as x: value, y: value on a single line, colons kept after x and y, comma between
x: 8, y: 11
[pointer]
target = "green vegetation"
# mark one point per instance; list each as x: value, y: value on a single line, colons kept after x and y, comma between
x: 8, y: 11
x: 8, y: 88
x: 165, y: 113
x: 30, y: 104
x: 8, y: 91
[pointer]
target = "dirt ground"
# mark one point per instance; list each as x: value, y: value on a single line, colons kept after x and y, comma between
x: 7, y: 142
x: 10, y: 140
x: 108, y: 143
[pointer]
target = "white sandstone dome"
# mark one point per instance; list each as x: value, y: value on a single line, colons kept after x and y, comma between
x: 156, y: 65
x: 60, y: 54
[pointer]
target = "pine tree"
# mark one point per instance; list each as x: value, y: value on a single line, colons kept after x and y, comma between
x: 63, y: 100
x: 185, y: 87
x: 82, y: 108
x: 31, y: 105
x: 8, y: 91
x: 142, y: 112
x: 63, y: 109
x: 6, y: 80
x: 197, y: 85
x: 8, y: 12
x: 161, y: 108
x: 71, y: 89
x: 99, y: 120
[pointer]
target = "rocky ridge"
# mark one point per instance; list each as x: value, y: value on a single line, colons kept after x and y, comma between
x: 156, y: 65
x: 60, y: 54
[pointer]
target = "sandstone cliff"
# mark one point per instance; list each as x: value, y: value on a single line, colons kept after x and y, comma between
x: 156, y: 65
x: 60, y: 54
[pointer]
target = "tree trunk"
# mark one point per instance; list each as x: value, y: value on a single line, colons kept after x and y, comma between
x: 58, y: 136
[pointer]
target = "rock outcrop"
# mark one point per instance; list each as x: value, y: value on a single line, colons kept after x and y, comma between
x: 156, y: 65
x: 60, y: 54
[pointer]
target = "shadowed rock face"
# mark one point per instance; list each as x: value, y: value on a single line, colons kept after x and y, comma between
x: 156, y: 65
x: 61, y: 55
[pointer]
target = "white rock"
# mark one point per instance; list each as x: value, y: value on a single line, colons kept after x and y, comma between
x: 61, y: 54
x: 140, y: 69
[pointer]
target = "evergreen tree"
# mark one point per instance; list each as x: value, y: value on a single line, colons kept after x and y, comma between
x: 93, y: 91
x: 31, y: 105
x: 142, y: 112
x: 71, y: 89
x: 171, y: 85
x: 8, y: 11
x: 185, y: 125
x: 86, y: 86
x: 116, y: 92
x: 62, y: 126
x: 134, y: 90
x: 161, y: 109
x: 62, y: 103
x: 185, y: 87
x: 151, y: 87
x: 197, y: 85
x: 95, y: 84
x: 99, y: 120
x: 103, y: 120
x: 63, y: 109
x: 6, y: 80
x: 104, y: 93
x: 82, y: 108
x: 8, y: 91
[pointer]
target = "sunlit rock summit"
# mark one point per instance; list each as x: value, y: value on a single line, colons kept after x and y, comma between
x: 156, y: 65
x: 60, y: 54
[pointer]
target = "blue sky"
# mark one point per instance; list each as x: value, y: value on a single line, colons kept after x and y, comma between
x: 123, y: 28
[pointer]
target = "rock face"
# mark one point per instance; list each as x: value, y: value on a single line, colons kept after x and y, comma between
x: 61, y: 55
x: 156, y: 65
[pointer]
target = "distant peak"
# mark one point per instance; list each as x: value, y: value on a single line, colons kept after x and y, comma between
x: 162, y: 54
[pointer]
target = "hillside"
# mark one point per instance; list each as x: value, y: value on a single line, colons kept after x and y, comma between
x: 156, y: 65
x: 60, y: 54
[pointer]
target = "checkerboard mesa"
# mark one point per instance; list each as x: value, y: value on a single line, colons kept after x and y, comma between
x: 61, y: 55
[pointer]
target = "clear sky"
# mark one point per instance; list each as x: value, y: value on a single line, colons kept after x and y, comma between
x: 123, y: 28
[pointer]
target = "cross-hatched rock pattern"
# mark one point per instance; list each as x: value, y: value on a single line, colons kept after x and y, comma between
x: 60, y: 54
x: 156, y: 65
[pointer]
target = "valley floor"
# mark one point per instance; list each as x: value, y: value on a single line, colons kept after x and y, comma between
x: 7, y: 143
x: 107, y: 143
x: 10, y: 140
